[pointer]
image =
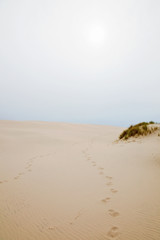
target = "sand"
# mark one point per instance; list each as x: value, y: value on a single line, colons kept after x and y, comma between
x: 62, y: 181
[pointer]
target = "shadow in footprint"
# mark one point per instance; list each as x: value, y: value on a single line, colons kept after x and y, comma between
x: 105, y: 200
x: 114, y: 190
x: 113, y: 213
x: 108, y: 177
x: 52, y: 228
x: 113, y: 232
x: 15, y: 178
x: 76, y: 217
x: 21, y: 173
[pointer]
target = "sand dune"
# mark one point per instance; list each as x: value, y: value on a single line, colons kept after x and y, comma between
x: 63, y: 181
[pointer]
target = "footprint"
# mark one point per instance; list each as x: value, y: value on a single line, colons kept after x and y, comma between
x: 101, y: 173
x: 108, y: 177
x: 109, y: 183
x: 94, y: 165
x: 113, y: 213
x: 21, y: 173
x: 16, y: 177
x: 76, y: 217
x: 30, y: 161
x: 113, y: 232
x: 101, y: 168
x: 52, y: 228
x: 105, y: 200
x: 114, y: 190
x: 1, y: 182
x: 28, y: 166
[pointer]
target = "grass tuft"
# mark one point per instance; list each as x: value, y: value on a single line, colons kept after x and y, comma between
x: 140, y: 129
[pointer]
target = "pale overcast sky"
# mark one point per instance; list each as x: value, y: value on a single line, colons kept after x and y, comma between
x: 80, y: 61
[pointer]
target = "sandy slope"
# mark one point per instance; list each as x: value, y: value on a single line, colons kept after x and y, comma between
x: 73, y: 182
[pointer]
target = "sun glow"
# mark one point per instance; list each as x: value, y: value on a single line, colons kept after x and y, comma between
x: 96, y: 35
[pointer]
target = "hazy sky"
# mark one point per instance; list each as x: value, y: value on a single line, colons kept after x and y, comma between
x: 80, y: 61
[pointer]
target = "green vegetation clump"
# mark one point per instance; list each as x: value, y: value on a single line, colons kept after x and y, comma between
x: 140, y: 129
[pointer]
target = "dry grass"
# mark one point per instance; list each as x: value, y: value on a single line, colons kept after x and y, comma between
x: 140, y: 129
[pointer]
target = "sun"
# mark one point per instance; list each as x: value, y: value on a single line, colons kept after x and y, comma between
x: 96, y: 35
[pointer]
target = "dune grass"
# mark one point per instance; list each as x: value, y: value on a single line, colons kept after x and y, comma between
x: 140, y: 129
